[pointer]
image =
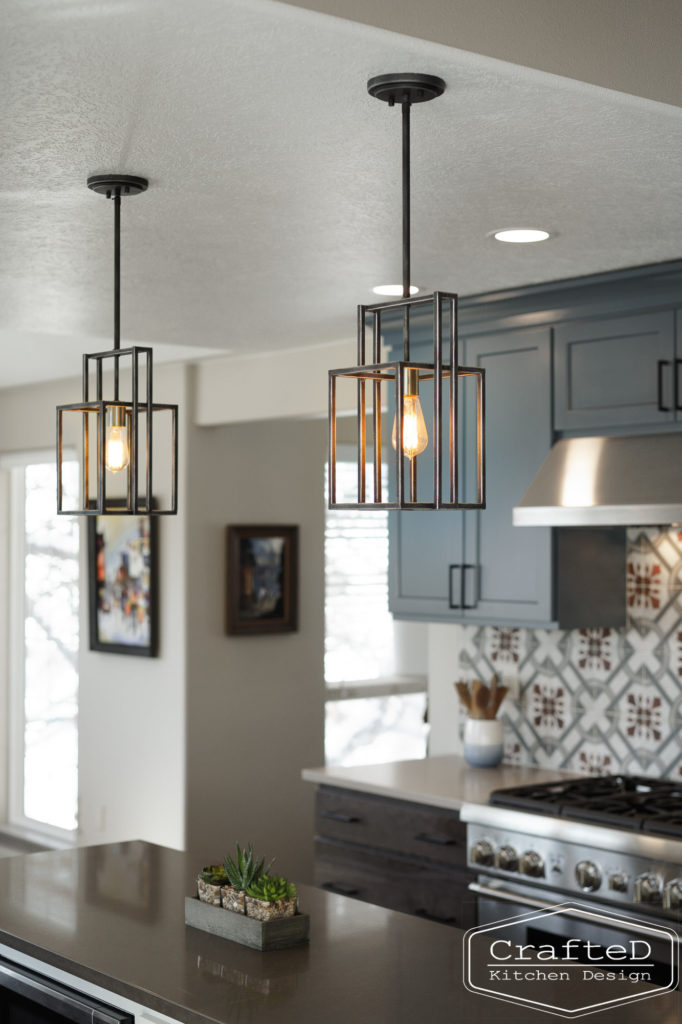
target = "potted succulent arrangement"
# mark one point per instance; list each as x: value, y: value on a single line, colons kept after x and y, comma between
x: 241, y: 873
x: 262, y: 908
x: 210, y: 883
x: 271, y: 897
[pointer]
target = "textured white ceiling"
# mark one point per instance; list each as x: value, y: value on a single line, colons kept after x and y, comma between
x: 274, y: 202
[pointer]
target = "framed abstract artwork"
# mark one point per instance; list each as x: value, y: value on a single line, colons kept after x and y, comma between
x: 122, y: 575
x: 262, y: 579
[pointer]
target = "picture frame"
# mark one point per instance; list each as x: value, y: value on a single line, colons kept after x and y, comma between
x: 123, y: 591
x: 262, y: 580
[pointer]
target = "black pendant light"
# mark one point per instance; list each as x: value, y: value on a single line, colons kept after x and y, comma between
x: 121, y: 431
x: 453, y: 391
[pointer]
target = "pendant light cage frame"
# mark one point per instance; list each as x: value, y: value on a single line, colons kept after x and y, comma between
x: 136, y: 415
x: 373, y: 377
x: 401, y: 377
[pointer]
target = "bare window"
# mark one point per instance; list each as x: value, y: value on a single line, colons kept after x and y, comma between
x: 44, y: 643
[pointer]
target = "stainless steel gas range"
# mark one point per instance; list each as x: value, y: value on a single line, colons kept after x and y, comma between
x: 613, y: 841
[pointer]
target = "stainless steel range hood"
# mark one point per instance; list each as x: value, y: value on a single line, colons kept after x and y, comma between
x: 607, y: 481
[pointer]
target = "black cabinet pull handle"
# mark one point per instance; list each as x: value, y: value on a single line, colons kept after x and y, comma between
x: 451, y: 602
x: 676, y: 385
x: 348, y: 819
x: 426, y: 837
x: 463, y: 596
x: 342, y: 890
x: 434, y: 917
x: 661, y: 364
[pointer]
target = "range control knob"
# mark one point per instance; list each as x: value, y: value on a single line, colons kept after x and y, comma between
x: 587, y: 875
x: 482, y: 853
x: 618, y: 882
x: 532, y: 864
x: 507, y: 858
x: 648, y: 889
x: 672, y: 894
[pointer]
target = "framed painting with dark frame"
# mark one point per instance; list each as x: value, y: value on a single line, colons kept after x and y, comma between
x: 262, y: 579
x: 122, y: 576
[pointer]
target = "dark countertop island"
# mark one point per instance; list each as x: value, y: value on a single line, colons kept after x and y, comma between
x: 114, y: 916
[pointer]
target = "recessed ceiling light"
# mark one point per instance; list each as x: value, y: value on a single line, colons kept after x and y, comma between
x: 521, y: 235
x: 393, y: 289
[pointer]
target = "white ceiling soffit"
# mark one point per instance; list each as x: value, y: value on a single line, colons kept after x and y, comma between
x: 274, y: 200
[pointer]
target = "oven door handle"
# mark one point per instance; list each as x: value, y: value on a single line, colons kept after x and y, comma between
x: 504, y: 896
x: 509, y: 897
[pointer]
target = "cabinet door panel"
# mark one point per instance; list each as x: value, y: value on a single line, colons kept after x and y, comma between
x: 607, y: 374
x: 423, y: 545
x: 512, y: 579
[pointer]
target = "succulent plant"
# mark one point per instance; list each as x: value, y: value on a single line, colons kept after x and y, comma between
x: 246, y: 869
x: 215, y: 874
x: 271, y: 888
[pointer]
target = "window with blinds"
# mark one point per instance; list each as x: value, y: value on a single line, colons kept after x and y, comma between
x: 359, y: 641
x: 374, y: 711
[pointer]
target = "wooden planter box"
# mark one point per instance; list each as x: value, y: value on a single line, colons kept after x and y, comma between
x: 279, y: 934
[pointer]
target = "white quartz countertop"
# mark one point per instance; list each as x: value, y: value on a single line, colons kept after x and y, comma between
x: 446, y: 781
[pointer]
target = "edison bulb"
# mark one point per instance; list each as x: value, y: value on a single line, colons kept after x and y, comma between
x: 116, y: 451
x: 415, y: 434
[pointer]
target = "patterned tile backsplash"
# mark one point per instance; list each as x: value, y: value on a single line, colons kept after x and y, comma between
x: 597, y: 701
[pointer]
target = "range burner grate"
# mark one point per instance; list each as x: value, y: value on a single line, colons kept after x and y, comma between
x: 631, y: 802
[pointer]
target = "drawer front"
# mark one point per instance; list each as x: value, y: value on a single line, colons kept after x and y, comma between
x: 407, y: 828
x: 411, y: 886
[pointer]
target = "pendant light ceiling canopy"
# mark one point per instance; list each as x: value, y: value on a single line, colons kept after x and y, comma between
x: 121, y: 434
x: 385, y: 392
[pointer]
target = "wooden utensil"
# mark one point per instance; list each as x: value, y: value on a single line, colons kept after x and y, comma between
x: 464, y: 695
x: 493, y: 691
x: 500, y: 693
x: 479, y: 699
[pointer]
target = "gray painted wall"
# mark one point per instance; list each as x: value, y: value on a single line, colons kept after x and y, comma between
x: 255, y: 705
x: 225, y: 724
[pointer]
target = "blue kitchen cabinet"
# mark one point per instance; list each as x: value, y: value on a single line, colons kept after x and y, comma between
x: 616, y: 372
x: 475, y: 566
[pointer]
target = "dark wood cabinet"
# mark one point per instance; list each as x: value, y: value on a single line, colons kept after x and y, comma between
x: 398, y: 854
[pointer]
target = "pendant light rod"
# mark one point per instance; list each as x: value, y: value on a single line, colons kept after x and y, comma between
x: 114, y: 186
x: 117, y: 284
x: 406, y: 198
x: 117, y: 269
x: 406, y: 89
